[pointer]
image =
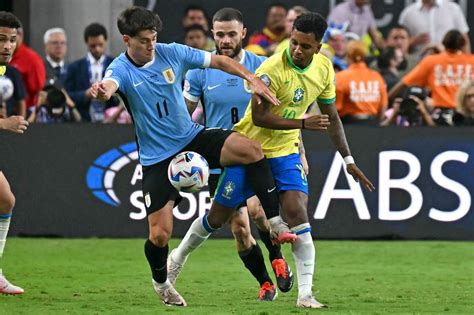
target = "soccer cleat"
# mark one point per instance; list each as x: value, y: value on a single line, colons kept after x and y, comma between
x: 174, y: 268
x: 7, y: 288
x: 283, y: 274
x: 268, y: 292
x: 280, y: 232
x: 168, y: 295
x: 308, y: 301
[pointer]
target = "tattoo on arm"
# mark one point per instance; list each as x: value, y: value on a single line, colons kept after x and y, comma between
x: 301, y: 145
x: 335, y: 129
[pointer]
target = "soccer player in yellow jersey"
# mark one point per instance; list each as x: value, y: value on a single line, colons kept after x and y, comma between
x: 8, y: 30
x: 298, y: 76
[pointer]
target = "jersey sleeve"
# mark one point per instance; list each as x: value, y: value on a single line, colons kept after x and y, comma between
x: 269, y: 75
x: 328, y: 95
x: 116, y: 73
x: 418, y: 75
x: 193, y: 85
x: 191, y: 58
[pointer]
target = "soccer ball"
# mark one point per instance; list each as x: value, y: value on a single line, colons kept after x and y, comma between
x: 6, y: 88
x: 188, y: 172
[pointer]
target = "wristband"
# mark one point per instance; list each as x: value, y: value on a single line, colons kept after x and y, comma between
x: 349, y: 160
x: 302, y: 123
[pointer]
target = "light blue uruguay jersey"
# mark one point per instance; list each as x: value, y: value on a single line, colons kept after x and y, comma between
x: 224, y: 96
x: 153, y: 96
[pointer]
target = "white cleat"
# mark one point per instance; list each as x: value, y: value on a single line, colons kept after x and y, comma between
x: 168, y: 295
x: 174, y: 268
x: 7, y: 288
x: 308, y: 301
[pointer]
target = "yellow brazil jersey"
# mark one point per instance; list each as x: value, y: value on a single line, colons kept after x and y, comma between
x: 2, y: 70
x: 296, y: 89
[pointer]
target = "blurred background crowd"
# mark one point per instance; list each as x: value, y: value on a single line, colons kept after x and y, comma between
x: 419, y: 73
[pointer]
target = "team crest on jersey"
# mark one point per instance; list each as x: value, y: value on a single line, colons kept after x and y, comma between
x: 299, y: 92
x: 228, y: 190
x: 169, y: 75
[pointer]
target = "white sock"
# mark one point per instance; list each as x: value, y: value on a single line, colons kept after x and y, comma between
x: 304, y: 254
x: 4, y: 226
x: 195, y: 236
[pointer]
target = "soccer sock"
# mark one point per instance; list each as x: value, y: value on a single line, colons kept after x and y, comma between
x: 304, y: 254
x: 274, y: 251
x: 4, y: 226
x: 259, y: 175
x: 156, y: 257
x: 198, y: 232
x: 254, y: 262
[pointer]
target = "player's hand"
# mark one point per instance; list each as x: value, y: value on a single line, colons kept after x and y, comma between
x: 360, y: 177
x: 16, y: 124
x: 317, y: 122
x: 261, y: 90
x: 99, y: 91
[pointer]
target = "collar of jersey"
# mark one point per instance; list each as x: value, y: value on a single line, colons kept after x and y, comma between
x: 290, y: 61
x: 146, y: 65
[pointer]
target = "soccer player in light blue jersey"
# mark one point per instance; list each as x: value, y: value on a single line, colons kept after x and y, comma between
x: 224, y: 99
x: 148, y: 77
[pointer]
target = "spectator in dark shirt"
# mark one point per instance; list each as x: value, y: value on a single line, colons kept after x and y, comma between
x: 55, y: 47
x: 388, y: 62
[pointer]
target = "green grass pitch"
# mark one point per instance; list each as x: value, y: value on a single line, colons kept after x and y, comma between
x: 103, y: 276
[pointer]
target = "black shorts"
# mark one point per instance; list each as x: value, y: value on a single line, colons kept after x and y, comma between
x: 157, y: 189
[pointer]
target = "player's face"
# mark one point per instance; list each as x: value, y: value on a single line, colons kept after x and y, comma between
x: 7, y: 44
x: 196, y: 39
x: 141, y: 47
x: 228, y: 36
x: 96, y: 46
x: 56, y: 46
x: 303, y: 46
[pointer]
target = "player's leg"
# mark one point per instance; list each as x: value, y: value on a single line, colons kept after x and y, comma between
x: 220, y: 213
x: 293, y: 187
x: 251, y: 254
x: 160, y: 199
x: 238, y: 149
x: 7, y: 202
x: 280, y: 267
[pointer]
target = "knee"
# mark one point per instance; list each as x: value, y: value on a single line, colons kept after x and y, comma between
x: 159, y: 237
x: 252, y: 152
x: 7, y: 203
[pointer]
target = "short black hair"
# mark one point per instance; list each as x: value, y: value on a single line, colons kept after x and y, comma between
x: 94, y: 30
x: 9, y: 20
x: 400, y: 27
x: 136, y: 19
x: 454, y: 40
x: 277, y: 4
x: 227, y: 15
x: 55, y: 98
x: 311, y: 23
x: 383, y: 60
x: 195, y: 27
x: 194, y: 7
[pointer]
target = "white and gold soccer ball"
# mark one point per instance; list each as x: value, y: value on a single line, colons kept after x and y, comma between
x: 188, y: 172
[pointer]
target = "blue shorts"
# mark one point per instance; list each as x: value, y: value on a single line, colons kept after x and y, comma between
x: 233, y: 188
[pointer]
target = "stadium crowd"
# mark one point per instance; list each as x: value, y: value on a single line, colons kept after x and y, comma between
x: 419, y: 74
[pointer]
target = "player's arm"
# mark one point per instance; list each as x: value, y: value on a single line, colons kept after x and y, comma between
x: 263, y: 117
x: 304, y: 161
x: 103, y: 90
x: 231, y: 66
x: 191, y: 105
x: 338, y: 138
